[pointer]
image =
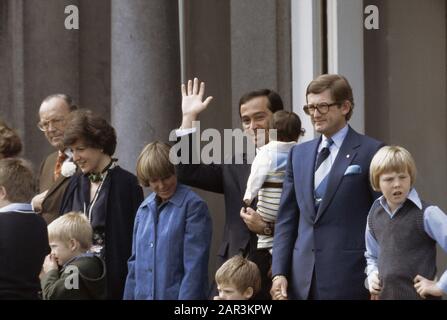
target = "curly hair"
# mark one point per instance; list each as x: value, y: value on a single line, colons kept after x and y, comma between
x: 10, y: 143
x: 90, y: 128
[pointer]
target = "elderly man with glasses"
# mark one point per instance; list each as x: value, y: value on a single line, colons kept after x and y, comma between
x: 53, y: 113
x: 319, y: 241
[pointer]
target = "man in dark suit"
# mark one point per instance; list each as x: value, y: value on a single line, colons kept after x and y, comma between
x: 318, y: 249
x: 256, y: 109
x: 53, y: 114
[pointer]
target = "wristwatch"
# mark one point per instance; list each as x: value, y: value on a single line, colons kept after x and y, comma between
x: 268, y: 229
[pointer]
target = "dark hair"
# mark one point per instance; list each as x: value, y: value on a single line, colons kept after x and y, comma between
x: 93, y: 130
x: 287, y: 125
x: 10, y: 143
x: 17, y: 179
x: 339, y: 86
x: 275, y: 101
x: 67, y: 98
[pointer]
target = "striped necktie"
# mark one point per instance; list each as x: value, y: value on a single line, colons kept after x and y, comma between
x: 322, y: 169
x: 61, y: 157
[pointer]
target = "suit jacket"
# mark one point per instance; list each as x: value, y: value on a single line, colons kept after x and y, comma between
x: 124, y: 196
x: 231, y: 181
x: 53, y: 199
x: 332, y: 239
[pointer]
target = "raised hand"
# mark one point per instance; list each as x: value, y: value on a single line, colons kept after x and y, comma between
x: 192, y: 102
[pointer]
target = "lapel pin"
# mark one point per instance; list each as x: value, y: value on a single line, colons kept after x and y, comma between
x: 347, y: 156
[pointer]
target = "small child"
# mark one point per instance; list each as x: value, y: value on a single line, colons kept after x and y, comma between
x: 237, y: 279
x: 82, y: 274
x: 402, y: 232
x: 268, y: 170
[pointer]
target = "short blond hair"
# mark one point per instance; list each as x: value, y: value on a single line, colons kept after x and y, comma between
x: 72, y: 225
x: 153, y: 163
x: 391, y: 159
x: 241, y: 273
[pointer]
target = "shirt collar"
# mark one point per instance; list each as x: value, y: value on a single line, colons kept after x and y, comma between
x: 412, y: 196
x: 339, y: 137
x: 21, y: 207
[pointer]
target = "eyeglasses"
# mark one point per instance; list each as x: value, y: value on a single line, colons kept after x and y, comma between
x: 45, y: 125
x: 322, y: 108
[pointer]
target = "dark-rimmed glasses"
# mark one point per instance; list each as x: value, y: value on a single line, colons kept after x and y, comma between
x: 322, y: 108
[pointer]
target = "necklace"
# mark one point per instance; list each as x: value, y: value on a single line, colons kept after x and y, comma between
x: 96, y: 177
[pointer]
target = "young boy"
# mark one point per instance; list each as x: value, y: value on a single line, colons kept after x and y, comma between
x: 23, y: 234
x: 237, y: 279
x: 82, y: 274
x: 402, y: 232
x: 172, y: 235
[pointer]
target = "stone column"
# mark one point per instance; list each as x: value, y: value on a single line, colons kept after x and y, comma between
x: 260, y: 49
x: 38, y: 56
x: 146, y: 99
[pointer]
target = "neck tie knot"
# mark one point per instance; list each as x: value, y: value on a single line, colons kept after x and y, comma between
x: 61, y: 157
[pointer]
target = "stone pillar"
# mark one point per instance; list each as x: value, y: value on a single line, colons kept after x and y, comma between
x: 94, y: 56
x: 146, y: 99
x: 38, y: 56
x: 260, y: 49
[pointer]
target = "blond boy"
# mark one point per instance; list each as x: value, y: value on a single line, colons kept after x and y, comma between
x: 81, y: 274
x: 237, y: 279
x: 402, y: 232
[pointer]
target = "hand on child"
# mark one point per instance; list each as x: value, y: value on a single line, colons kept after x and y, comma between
x: 253, y: 220
x: 374, y: 283
x: 49, y: 263
x: 425, y: 287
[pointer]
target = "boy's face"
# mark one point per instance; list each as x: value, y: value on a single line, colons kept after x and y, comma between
x: 61, y: 251
x: 230, y: 292
x: 395, y: 187
x: 164, y: 188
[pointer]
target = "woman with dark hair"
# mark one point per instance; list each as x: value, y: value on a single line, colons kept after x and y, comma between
x: 108, y: 195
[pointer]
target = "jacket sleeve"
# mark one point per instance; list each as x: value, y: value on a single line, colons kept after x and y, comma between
x: 129, y: 289
x: 196, y: 247
x: 286, y: 228
x: 191, y: 171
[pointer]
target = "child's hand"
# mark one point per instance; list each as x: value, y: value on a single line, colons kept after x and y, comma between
x: 374, y: 283
x: 217, y: 298
x: 425, y: 287
x: 49, y: 263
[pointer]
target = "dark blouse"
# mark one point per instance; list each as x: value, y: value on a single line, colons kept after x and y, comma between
x: 115, y: 209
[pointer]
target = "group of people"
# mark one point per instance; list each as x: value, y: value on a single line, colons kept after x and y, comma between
x: 303, y: 221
